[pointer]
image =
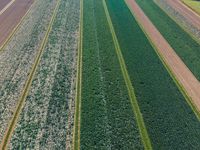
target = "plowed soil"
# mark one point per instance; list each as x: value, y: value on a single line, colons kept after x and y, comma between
x: 12, y: 16
x: 180, y: 70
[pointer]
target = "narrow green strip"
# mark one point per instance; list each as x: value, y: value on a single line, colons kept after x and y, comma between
x: 141, y: 125
x: 77, y: 115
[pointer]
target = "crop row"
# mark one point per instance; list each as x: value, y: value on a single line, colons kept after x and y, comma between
x: 18, y: 56
x: 170, y: 122
x: 107, y: 118
x: 186, y: 47
x: 46, y: 121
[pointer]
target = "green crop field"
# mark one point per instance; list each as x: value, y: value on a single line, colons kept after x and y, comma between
x: 107, y: 119
x: 170, y: 122
x: 186, y: 47
x: 84, y: 75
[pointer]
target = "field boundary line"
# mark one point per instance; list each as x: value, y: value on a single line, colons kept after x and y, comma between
x: 7, y: 6
x: 15, y: 29
x: 77, y: 114
x: 172, y: 75
x: 179, y: 24
x: 11, y: 127
x: 138, y: 115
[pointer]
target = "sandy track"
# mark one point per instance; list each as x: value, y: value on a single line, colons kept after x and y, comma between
x: 180, y: 70
x: 190, y: 15
x: 3, y: 3
x: 11, y: 17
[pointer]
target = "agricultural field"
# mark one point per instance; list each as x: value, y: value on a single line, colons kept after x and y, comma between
x: 184, y: 16
x: 88, y: 74
x: 183, y: 44
x: 170, y: 121
x: 46, y: 119
x: 193, y: 4
x: 107, y: 119
x: 18, y: 56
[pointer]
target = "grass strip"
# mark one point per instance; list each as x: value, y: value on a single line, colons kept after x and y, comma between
x: 27, y: 86
x: 77, y: 115
x: 135, y: 106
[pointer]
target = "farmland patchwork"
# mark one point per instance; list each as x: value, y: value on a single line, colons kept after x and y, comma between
x: 82, y: 74
x: 169, y: 120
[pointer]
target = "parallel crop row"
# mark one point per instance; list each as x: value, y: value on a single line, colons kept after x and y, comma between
x: 18, y: 56
x: 46, y: 121
x: 107, y: 118
x: 170, y: 122
x: 186, y: 47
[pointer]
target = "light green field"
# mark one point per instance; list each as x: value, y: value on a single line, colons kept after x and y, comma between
x: 193, y: 4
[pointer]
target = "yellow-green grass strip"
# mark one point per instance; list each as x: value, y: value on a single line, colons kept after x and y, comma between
x: 138, y: 115
x: 179, y: 24
x: 193, y: 5
x: 172, y: 75
x: 22, y: 99
x: 16, y: 28
x: 77, y: 115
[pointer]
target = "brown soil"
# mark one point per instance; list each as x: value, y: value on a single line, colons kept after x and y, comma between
x: 190, y: 15
x: 179, y: 69
x: 12, y: 16
x: 3, y: 3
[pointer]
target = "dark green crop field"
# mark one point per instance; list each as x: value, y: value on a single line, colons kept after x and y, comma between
x: 107, y: 118
x: 170, y: 121
x: 186, y: 47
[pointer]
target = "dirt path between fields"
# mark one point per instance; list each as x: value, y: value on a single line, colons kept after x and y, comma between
x: 189, y: 14
x: 180, y: 70
x: 11, y: 17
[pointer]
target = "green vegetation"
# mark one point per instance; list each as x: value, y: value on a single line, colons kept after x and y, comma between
x: 46, y: 121
x: 107, y: 118
x: 18, y: 57
x: 186, y: 47
x: 193, y: 4
x: 143, y: 132
x: 170, y: 122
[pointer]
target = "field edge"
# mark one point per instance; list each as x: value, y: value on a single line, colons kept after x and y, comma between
x: 77, y: 114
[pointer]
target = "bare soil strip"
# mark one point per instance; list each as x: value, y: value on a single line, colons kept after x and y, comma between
x: 3, y: 3
x: 11, y: 127
x: 12, y: 16
x: 7, y: 6
x: 189, y: 14
x: 14, y: 30
x: 184, y: 76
